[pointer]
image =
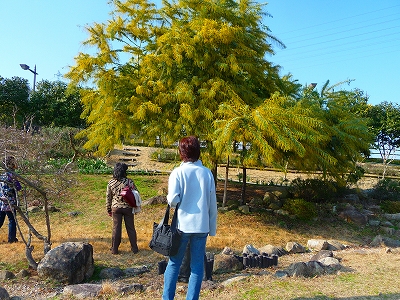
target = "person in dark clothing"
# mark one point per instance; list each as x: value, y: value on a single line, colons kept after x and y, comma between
x: 119, y: 209
x: 9, y: 186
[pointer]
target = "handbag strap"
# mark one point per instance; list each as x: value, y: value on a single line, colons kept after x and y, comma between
x: 164, y: 221
x: 174, y: 219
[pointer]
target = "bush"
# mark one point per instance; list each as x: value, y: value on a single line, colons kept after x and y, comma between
x: 387, y: 189
x: 164, y: 155
x: 300, y: 208
x: 356, y: 175
x: 314, y: 190
x: 390, y: 207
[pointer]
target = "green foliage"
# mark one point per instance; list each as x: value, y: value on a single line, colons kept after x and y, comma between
x: 314, y: 190
x: 165, y: 155
x: 14, y: 101
x: 387, y: 189
x: 384, y: 122
x: 184, y: 59
x: 54, y: 104
x: 356, y: 175
x: 93, y: 166
x: 303, y: 210
x: 390, y: 207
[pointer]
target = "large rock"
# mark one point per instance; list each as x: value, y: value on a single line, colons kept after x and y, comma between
x: 352, y: 215
x: 273, y: 250
x: 294, y: 247
x: 322, y: 254
x: 4, y: 275
x: 4, y: 294
x: 379, y: 241
x: 226, y: 264
x: 250, y: 249
x: 317, y: 245
x: 68, y: 263
x: 82, y: 291
x: 297, y: 269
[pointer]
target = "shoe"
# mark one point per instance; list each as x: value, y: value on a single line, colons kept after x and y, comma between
x: 183, y: 279
x: 13, y: 241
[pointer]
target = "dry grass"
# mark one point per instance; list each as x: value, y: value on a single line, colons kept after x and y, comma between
x: 367, y: 274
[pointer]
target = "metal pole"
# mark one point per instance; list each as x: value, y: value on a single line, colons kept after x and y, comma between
x: 34, y: 78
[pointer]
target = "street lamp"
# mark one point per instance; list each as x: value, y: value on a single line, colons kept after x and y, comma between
x: 26, y: 67
x: 312, y: 86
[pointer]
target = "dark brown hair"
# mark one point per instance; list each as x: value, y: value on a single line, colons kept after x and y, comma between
x: 189, y: 148
x: 120, y: 171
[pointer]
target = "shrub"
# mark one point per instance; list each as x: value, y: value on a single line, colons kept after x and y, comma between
x: 390, y: 207
x: 164, y: 155
x: 313, y: 190
x: 356, y: 175
x: 387, y: 189
x: 300, y: 208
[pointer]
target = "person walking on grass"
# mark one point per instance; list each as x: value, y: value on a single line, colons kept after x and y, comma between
x: 192, y: 186
x: 119, y: 209
x: 9, y: 186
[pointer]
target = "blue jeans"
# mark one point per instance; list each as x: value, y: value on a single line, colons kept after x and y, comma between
x: 197, y: 252
x: 12, y: 226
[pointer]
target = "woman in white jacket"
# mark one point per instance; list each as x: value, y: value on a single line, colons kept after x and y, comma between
x: 192, y: 186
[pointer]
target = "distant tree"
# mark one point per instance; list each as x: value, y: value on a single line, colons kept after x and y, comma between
x: 347, y: 136
x: 14, y: 99
x: 54, y: 104
x: 385, y: 124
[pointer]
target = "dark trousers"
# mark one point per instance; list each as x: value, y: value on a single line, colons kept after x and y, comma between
x: 118, y: 214
x: 12, y: 226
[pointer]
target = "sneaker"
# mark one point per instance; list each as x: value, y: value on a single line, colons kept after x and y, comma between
x: 13, y: 241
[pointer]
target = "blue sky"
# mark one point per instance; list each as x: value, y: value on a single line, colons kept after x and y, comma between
x: 332, y: 40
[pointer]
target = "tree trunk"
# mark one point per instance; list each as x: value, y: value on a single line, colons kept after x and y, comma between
x: 226, y: 182
x: 214, y: 172
x: 243, y: 194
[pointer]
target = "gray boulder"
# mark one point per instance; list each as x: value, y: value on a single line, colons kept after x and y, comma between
x: 68, y: 263
x: 130, y: 272
x: 111, y: 273
x: 250, y: 249
x: 82, y: 291
x: 317, y: 245
x: 297, y: 269
x: 384, y: 241
x: 315, y: 268
x: 273, y: 250
x: 335, y: 245
x: 322, y: 254
x: 4, y: 294
x: 226, y: 264
x: 4, y: 274
x: 352, y: 215
x: 294, y: 247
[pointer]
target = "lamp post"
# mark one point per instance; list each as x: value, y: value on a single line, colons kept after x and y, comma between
x: 26, y: 67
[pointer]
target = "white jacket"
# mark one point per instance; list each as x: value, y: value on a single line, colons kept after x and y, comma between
x: 192, y: 185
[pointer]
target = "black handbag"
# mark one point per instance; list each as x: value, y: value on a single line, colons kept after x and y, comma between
x: 166, y: 238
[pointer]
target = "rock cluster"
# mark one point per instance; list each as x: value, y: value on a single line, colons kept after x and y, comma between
x: 322, y: 263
